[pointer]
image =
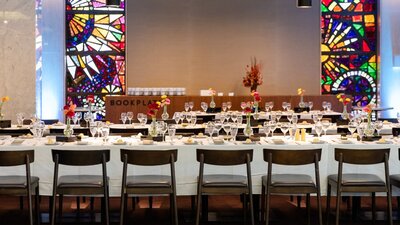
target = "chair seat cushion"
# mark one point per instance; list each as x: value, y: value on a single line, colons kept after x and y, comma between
x: 151, y: 181
x: 224, y: 180
x: 353, y: 179
x: 290, y: 180
x: 16, y: 181
x: 83, y: 181
x: 394, y: 178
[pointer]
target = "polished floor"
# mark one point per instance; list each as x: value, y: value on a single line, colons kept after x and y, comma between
x: 222, y: 210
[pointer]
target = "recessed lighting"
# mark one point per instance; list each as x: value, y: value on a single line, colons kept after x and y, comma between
x: 5, y: 21
x: 304, y: 3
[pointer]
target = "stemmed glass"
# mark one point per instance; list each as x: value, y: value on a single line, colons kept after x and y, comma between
x: 162, y: 127
x: 284, y: 104
x: 267, y: 107
x: 234, y: 131
x: 142, y: 118
x: 229, y: 105
x: 191, y: 105
x: 222, y: 117
x: 177, y: 117
x: 188, y: 117
x: 93, y: 129
x: 284, y: 128
x: 105, y: 130
x: 272, y: 125
x: 288, y: 106
x: 273, y: 116
x: 224, y: 106
x: 20, y: 119
x: 267, y: 128
x: 318, y: 128
x: 79, y: 117
x: 33, y: 118
x: 271, y: 105
x: 123, y: 118
x: 378, y: 126
x: 204, y: 106
x: 74, y: 118
x: 87, y: 117
x: 325, y: 126
x: 171, y: 132
x: 289, y: 116
x: 234, y: 117
x: 352, y: 126
x: 228, y: 116
x: 243, y: 105
x: 278, y: 115
x: 239, y: 118
x: 328, y: 106
x: 218, y: 127
x: 129, y: 115
x: 294, y: 119
x: 324, y: 105
x: 187, y: 106
x: 227, y: 128
x: 320, y: 116
x: 210, y: 128
x: 310, y: 105
x: 193, y: 119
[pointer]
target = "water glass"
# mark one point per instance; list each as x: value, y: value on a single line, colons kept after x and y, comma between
x: 295, y: 118
x: 234, y: 131
x: 239, y: 118
x: 325, y: 126
x: 177, y: 117
x: 20, y: 119
x: 224, y: 106
x: 378, y: 126
x: 93, y: 128
x: 318, y: 128
x: 310, y: 105
x: 272, y: 125
x: 352, y: 127
x: 171, y: 132
x: 204, y: 106
x: 266, y: 128
x: 229, y: 105
x: 191, y: 105
x: 210, y: 128
x: 187, y: 106
x: 124, y: 117
x: 227, y: 128
x: 129, y: 115
x: 284, y: 128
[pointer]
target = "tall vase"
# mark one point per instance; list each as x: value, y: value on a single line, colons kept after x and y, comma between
x: 369, y: 129
x: 247, y: 130
x: 345, y: 114
x: 165, y: 115
x: 302, y: 104
x: 68, y: 131
x: 256, y: 115
x: 153, y: 127
x: 212, y: 103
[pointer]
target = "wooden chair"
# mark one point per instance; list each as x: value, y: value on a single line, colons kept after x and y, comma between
x: 80, y: 185
x: 291, y: 183
x: 225, y: 184
x: 395, y: 181
x: 360, y: 183
x: 21, y: 185
x: 140, y: 185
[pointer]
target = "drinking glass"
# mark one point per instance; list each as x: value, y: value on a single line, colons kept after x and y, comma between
x: 319, y: 116
x: 74, y: 118
x: 93, y: 128
x: 288, y: 106
x: 243, y: 105
x: 289, y: 116
x: 177, y: 117
x: 229, y: 105
x: 295, y: 119
x: 193, y: 119
x: 324, y: 105
x: 352, y: 126
x: 222, y: 117
x: 378, y: 126
x: 267, y: 128
x: 224, y: 106
x: 284, y: 128
x: 129, y: 115
x: 191, y: 105
x: 33, y: 117
x: 228, y: 116
x: 204, y: 106
x: 187, y: 106
x: 105, y: 130
x: 234, y: 131
x: 210, y: 128
x: 123, y: 118
x: 272, y: 125
x: 20, y: 119
x: 328, y: 106
x: 284, y: 104
x: 273, y: 116
x: 218, y: 127
x: 271, y: 105
x: 278, y: 116
x: 79, y: 117
x: 227, y: 128
x: 239, y: 118
x: 325, y: 125
x: 318, y: 128
x: 87, y: 117
x: 267, y: 107
x: 292, y: 130
x: 234, y: 117
x: 360, y: 130
x: 188, y: 117
x: 162, y: 127
x: 310, y: 105
x: 171, y: 132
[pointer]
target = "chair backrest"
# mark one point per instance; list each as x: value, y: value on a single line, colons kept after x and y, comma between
x: 224, y: 157
x: 362, y: 156
x: 16, y: 158
x: 292, y: 157
x: 80, y: 157
x: 149, y: 157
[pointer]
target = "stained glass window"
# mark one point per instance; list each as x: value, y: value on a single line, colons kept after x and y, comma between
x: 348, y: 49
x: 95, y: 48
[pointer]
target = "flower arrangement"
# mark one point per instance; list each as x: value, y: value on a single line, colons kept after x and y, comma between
x: 69, y: 110
x: 343, y: 99
x: 165, y: 101
x: 247, y: 108
x: 3, y: 100
x: 153, y: 108
x: 212, y: 92
x: 253, y: 76
x: 300, y: 92
x: 369, y: 130
x: 257, y: 99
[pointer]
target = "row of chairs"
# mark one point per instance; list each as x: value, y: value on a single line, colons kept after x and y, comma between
x: 209, y: 184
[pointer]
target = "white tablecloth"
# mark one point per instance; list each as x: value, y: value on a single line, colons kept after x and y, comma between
x: 187, y: 167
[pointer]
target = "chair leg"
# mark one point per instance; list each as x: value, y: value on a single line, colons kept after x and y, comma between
x: 262, y: 213
x: 338, y: 199
x: 122, y: 209
x: 37, y: 205
x: 198, y: 208
x: 298, y: 201
x: 267, y: 206
x: 389, y: 207
x: 244, y: 208
x: 251, y: 209
x: 107, y: 203
x: 373, y: 207
x: 53, y: 209
x: 328, y: 204
x: 175, y: 208
x: 60, y: 206
x: 30, y: 207
x: 151, y: 202
x: 21, y: 202
x: 308, y: 209
x: 319, y: 207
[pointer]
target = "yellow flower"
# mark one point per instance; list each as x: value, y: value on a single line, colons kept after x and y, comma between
x: 348, y: 99
x: 164, y: 97
x: 341, y: 100
x: 339, y: 96
x: 158, y: 103
x: 5, y: 99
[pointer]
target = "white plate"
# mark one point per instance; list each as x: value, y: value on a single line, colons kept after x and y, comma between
x: 17, y: 142
x: 249, y: 143
x: 119, y: 143
x: 345, y: 142
x: 278, y: 141
x: 190, y: 143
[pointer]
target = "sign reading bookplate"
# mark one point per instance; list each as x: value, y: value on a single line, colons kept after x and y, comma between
x: 131, y: 102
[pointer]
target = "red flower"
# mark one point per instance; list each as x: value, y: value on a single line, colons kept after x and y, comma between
x: 153, y: 109
x: 69, y: 110
x: 253, y: 74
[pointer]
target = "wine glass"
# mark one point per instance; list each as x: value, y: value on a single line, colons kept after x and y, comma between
x: 243, y: 105
x: 33, y: 117
x: 318, y: 128
x: 124, y: 117
x: 20, y: 119
x: 324, y: 105
x: 278, y: 115
x: 227, y: 128
x: 320, y: 116
x: 224, y: 106
x: 171, y: 132
x: 378, y: 126
x: 74, y: 118
x: 234, y: 131
x: 289, y: 116
x: 272, y: 125
x: 229, y: 105
x: 162, y: 127
x: 266, y: 128
x: 191, y: 105
x: 310, y: 105
x: 193, y: 120
x: 188, y: 117
x: 210, y: 128
x: 239, y: 118
x: 352, y: 127
x: 228, y: 116
x: 93, y: 128
x: 295, y: 118
x: 284, y: 106
x: 328, y: 106
x: 284, y: 128
x: 222, y: 117
x: 177, y: 117
x: 78, y: 116
x: 87, y: 117
x: 267, y: 107
x: 271, y: 105
x: 204, y: 106
x: 288, y: 106
x: 325, y: 125
x: 129, y: 115
x: 234, y: 117
x: 105, y: 130
x: 218, y: 127
x: 187, y: 106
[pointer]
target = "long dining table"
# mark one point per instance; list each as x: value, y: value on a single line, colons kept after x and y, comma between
x: 187, y: 167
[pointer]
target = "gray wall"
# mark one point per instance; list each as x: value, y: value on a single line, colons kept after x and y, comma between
x: 199, y: 44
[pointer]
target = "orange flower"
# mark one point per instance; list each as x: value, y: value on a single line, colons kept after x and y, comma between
x: 69, y: 110
x: 5, y: 99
